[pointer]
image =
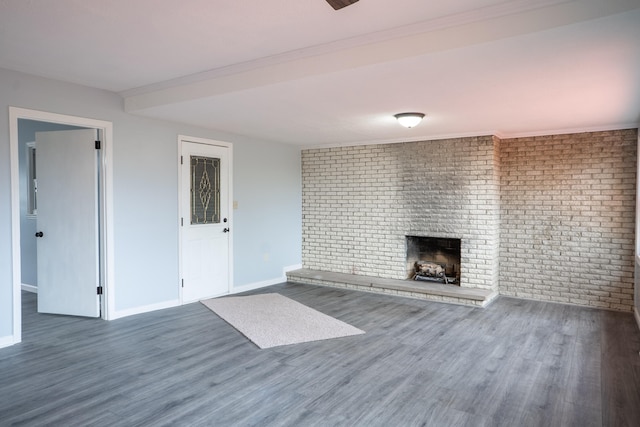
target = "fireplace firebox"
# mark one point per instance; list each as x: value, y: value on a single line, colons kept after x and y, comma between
x: 433, y: 259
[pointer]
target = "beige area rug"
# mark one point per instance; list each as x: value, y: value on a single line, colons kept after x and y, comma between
x: 271, y: 320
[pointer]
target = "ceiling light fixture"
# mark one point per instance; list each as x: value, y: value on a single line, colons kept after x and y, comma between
x: 409, y: 120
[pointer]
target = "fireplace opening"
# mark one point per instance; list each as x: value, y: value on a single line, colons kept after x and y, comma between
x: 433, y: 259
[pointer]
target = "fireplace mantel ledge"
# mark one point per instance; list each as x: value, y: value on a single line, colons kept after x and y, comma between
x: 403, y: 288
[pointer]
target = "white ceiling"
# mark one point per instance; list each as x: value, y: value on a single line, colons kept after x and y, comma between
x: 298, y: 72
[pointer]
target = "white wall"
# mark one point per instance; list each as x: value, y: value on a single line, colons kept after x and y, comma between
x: 264, y: 191
x: 145, y: 176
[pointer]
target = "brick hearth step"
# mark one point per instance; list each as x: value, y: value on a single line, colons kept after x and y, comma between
x: 403, y: 288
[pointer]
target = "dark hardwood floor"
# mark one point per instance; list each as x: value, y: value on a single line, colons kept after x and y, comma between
x: 514, y: 363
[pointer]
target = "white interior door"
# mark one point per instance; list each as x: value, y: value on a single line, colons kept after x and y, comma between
x: 68, y: 256
x: 205, y: 221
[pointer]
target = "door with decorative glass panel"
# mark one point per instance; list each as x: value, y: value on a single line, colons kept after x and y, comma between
x: 205, y: 221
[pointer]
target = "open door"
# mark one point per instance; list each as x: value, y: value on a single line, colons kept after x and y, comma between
x: 68, y: 226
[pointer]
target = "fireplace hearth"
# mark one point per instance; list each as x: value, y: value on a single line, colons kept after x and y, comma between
x: 433, y: 259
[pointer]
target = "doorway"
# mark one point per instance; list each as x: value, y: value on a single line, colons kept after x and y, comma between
x: 205, y: 219
x: 104, y: 211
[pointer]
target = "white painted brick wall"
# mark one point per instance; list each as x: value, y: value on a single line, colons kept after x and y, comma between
x: 550, y: 218
x: 568, y: 218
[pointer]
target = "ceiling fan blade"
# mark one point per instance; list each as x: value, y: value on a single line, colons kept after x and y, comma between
x: 339, y: 4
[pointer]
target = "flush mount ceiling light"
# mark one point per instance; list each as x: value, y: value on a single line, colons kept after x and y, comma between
x: 409, y: 120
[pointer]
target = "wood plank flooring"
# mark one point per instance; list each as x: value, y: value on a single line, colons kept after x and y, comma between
x: 420, y: 363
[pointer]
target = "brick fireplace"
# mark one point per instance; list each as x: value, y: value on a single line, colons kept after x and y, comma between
x: 360, y: 203
x: 563, y: 201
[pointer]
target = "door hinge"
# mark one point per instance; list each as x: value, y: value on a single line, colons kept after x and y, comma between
x: 181, y: 160
x: 182, y: 222
x: 97, y: 145
x: 183, y: 283
x: 99, y: 290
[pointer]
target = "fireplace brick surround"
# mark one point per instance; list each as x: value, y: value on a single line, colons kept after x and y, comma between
x: 547, y: 217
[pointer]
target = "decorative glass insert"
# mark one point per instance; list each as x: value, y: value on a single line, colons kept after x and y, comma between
x: 205, y: 190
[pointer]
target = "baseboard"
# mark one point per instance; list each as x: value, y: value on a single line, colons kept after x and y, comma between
x: 258, y: 285
x: 168, y: 304
x: 637, y: 316
x: 7, y: 341
x: 30, y: 288
x: 144, y: 309
x: 265, y: 283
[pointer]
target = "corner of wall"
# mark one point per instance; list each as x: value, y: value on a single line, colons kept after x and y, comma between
x: 636, y: 271
x: 264, y: 283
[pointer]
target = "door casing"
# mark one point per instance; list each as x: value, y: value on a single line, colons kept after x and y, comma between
x: 183, y: 139
x: 106, y: 207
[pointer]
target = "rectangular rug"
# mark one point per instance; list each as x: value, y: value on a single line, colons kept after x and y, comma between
x: 271, y: 320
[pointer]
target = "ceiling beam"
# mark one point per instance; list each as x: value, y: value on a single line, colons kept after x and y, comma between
x: 438, y: 35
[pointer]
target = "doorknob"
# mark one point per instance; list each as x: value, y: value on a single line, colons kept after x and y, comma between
x: 39, y: 234
x: 226, y: 230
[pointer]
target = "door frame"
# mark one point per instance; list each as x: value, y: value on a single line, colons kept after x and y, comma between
x: 182, y: 139
x: 106, y: 235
